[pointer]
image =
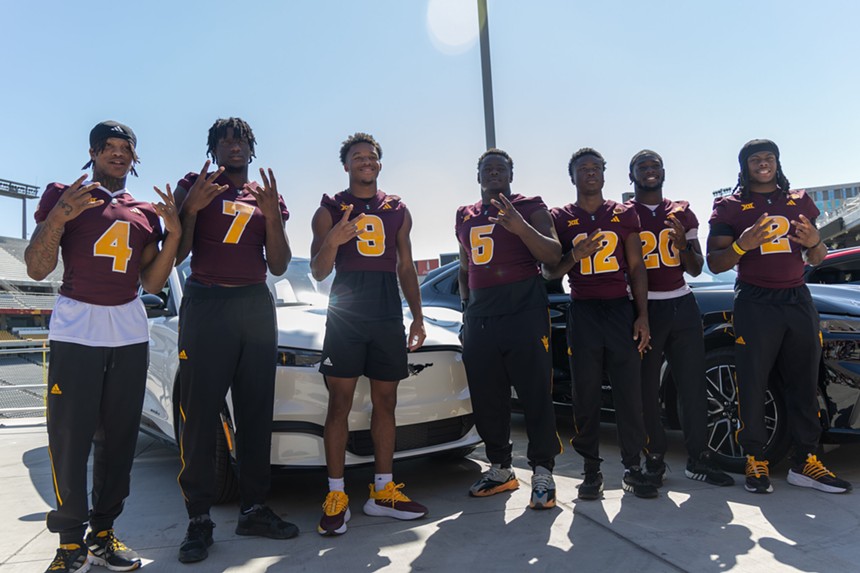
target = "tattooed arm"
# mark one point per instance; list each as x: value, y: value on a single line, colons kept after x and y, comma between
x: 42, y: 252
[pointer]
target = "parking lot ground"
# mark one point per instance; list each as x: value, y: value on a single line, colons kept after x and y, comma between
x: 691, y: 526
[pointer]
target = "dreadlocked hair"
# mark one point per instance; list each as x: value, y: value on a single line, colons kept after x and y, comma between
x: 240, y: 129
x: 358, y: 137
x: 582, y: 153
x: 742, y: 186
x: 135, y: 159
x: 496, y: 151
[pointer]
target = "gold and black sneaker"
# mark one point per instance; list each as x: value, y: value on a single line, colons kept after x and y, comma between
x: 813, y: 474
x: 70, y: 558
x: 758, y: 476
x: 495, y: 480
x: 108, y: 551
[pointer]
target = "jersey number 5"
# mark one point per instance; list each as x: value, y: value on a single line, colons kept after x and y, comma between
x: 114, y: 244
x: 241, y: 213
x: 482, y: 244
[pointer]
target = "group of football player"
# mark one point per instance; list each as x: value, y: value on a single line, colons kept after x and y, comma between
x: 630, y: 308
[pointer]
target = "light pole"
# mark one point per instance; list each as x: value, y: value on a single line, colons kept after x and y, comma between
x: 486, y: 74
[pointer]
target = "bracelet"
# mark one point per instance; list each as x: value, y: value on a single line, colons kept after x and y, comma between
x: 464, y: 303
x: 737, y: 248
x: 813, y: 246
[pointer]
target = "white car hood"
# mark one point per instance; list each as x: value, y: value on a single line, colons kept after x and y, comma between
x: 303, y: 327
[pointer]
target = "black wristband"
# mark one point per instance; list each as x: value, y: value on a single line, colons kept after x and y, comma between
x: 463, y: 304
x: 814, y: 246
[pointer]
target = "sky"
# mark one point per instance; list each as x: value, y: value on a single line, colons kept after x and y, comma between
x: 691, y: 80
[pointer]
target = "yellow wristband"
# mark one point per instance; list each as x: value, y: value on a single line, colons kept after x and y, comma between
x: 736, y: 248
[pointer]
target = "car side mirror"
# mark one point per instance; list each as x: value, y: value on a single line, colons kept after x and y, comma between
x: 155, y: 305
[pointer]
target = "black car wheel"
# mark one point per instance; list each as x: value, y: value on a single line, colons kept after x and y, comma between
x: 723, y: 420
x: 226, y: 480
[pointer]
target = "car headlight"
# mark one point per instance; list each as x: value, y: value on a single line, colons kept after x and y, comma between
x: 841, y: 325
x: 298, y: 357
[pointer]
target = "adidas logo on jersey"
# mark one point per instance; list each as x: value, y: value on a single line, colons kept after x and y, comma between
x: 747, y: 206
x: 791, y: 202
x: 135, y: 210
x: 386, y: 206
x: 327, y: 362
x: 615, y: 220
x: 55, y: 389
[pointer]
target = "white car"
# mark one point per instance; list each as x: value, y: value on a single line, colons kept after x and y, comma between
x: 434, y: 412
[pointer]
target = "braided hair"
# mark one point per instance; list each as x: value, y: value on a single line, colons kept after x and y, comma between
x: 750, y: 148
x: 99, y: 147
x: 240, y: 129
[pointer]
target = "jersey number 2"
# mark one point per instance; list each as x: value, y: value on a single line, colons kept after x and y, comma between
x: 114, y: 244
x: 603, y: 261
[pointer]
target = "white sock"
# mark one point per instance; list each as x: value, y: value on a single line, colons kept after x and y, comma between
x: 381, y: 480
x: 336, y: 484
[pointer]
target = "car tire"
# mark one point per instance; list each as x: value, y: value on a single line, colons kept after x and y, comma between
x: 226, y: 480
x: 723, y: 420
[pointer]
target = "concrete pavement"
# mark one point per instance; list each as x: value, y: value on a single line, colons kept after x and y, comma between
x: 691, y: 527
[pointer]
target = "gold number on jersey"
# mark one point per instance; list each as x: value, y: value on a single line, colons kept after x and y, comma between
x: 666, y: 253
x: 603, y: 261
x: 779, y: 227
x: 114, y: 244
x: 371, y: 241
x: 241, y: 213
x: 482, y: 243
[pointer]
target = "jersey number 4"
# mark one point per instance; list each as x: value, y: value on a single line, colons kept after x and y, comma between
x: 114, y: 244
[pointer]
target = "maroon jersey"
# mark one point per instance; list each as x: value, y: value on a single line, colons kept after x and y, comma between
x: 102, y: 246
x: 496, y: 256
x: 662, y: 260
x: 376, y: 248
x: 603, y: 274
x: 779, y: 262
x: 229, y: 236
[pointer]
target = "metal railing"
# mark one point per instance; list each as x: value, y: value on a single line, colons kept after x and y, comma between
x: 21, y: 348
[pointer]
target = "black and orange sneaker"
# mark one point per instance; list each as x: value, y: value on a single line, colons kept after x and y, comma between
x: 335, y: 514
x: 758, y: 476
x: 108, y: 551
x: 813, y: 474
x: 391, y: 502
x: 70, y: 558
x: 495, y: 480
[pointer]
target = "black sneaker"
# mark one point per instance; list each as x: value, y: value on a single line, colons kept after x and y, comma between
x: 591, y: 487
x: 704, y: 469
x: 636, y: 483
x: 813, y: 474
x: 655, y: 469
x: 108, y: 551
x: 758, y: 476
x: 263, y: 522
x: 197, y: 539
x: 70, y: 558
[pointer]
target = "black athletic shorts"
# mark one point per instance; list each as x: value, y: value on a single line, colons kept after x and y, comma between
x: 376, y: 349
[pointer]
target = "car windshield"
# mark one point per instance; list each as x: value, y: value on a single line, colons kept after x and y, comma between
x: 295, y: 287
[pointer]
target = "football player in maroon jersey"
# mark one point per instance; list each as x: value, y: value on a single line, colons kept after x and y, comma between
x: 602, y: 248
x: 768, y: 231
x: 670, y: 247
x: 234, y: 229
x: 99, y: 339
x: 362, y: 234
x: 506, y: 333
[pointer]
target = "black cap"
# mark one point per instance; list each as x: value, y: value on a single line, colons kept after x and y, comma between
x: 645, y: 153
x: 754, y: 146
x: 106, y: 129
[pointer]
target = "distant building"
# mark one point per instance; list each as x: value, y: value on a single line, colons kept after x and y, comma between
x: 829, y: 198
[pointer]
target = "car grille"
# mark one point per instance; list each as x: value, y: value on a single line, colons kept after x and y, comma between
x: 414, y: 436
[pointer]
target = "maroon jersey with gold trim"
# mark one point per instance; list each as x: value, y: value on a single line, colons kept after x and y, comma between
x: 603, y: 274
x: 662, y: 260
x: 102, y: 246
x: 496, y: 256
x: 376, y: 248
x: 229, y: 236
x: 779, y: 262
